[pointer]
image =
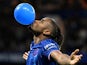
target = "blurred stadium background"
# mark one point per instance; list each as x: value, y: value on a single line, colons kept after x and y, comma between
x: 15, y: 38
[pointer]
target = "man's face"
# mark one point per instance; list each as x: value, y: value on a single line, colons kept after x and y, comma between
x: 40, y: 25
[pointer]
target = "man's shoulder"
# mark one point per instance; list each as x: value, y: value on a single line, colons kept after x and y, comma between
x: 48, y: 42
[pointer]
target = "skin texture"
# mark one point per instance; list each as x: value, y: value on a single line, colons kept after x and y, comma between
x: 44, y: 27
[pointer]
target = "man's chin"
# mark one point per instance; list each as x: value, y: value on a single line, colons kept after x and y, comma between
x: 30, y: 29
x: 36, y: 33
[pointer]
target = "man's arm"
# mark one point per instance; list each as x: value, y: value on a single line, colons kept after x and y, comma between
x: 61, y: 58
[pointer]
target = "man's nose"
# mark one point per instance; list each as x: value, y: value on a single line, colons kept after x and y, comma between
x: 37, y: 21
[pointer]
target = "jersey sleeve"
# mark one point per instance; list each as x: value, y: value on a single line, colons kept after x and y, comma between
x: 48, y: 48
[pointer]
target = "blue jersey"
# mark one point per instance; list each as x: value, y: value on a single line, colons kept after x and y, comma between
x: 40, y: 53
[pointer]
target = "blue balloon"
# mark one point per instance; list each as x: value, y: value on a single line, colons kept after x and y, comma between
x: 24, y: 14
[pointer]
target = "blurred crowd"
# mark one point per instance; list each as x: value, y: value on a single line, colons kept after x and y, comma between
x: 15, y: 38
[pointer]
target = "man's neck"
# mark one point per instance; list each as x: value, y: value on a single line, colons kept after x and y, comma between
x: 39, y: 38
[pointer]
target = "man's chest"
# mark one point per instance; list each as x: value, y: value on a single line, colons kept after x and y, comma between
x: 35, y: 54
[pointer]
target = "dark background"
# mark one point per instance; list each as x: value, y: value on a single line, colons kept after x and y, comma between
x: 15, y: 38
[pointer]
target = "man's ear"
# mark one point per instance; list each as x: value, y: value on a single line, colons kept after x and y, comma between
x: 46, y: 32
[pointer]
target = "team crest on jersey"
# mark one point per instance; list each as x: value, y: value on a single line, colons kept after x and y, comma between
x: 35, y: 52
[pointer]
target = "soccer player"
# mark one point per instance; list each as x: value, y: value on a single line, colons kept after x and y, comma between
x: 45, y: 49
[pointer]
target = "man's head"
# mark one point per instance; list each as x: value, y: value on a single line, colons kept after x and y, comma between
x: 43, y: 26
x: 47, y: 27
